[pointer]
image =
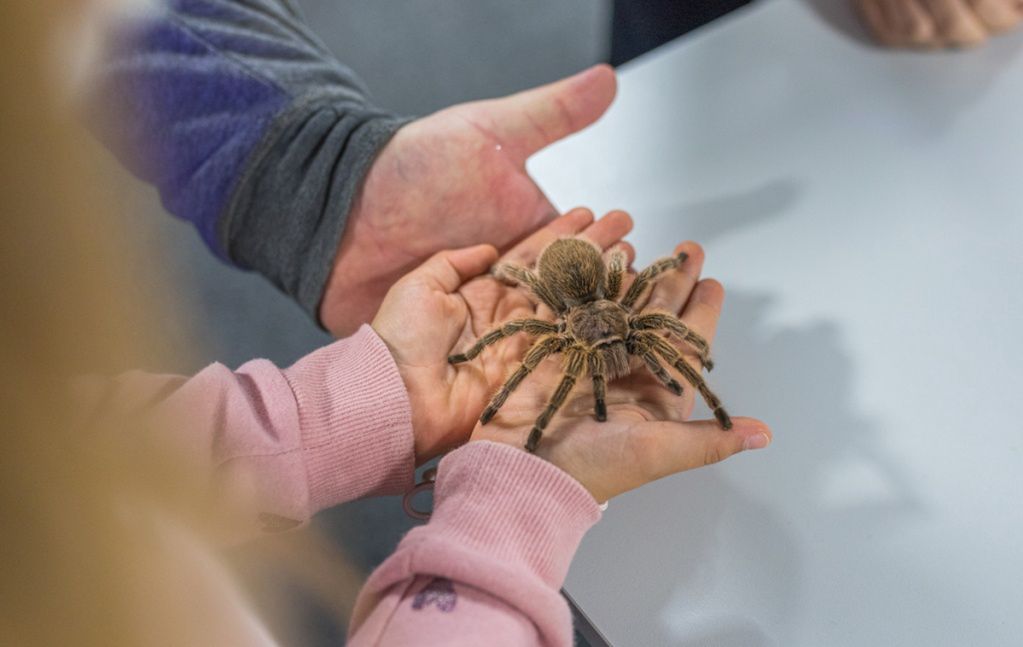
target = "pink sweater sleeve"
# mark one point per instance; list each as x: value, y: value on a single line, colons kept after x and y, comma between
x: 487, y: 568
x: 284, y: 444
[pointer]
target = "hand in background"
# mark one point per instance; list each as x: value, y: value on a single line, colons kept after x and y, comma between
x: 443, y: 306
x: 645, y: 436
x: 938, y: 23
x: 452, y: 179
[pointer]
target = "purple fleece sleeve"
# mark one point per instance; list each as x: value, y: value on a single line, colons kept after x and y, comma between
x: 247, y: 126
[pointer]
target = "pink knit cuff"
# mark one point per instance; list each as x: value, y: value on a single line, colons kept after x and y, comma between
x: 355, y: 421
x: 504, y: 522
x: 512, y: 506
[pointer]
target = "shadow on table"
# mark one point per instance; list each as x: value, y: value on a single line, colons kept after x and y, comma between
x: 726, y: 520
x: 709, y: 219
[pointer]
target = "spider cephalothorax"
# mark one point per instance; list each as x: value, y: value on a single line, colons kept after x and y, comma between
x: 595, y: 330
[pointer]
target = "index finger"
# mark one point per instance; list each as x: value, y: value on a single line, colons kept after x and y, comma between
x: 702, y: 312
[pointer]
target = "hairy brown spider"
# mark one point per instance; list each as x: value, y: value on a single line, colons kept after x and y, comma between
x: 595, y: 329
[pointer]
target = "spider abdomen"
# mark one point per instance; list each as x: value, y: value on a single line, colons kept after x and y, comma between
x: 573, y: 270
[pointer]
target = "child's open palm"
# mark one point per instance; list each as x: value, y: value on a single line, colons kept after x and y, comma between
x: 445, y: 305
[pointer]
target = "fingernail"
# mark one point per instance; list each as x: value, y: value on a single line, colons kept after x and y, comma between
x: 759, y: 441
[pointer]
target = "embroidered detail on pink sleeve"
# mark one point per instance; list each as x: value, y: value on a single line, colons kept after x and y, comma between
x: 440, y: 591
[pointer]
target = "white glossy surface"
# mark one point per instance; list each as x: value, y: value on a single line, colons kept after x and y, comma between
x: 865, y: 211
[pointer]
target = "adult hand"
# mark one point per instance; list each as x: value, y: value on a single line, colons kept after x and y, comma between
x: 443, y: 306
x: 938, y: 23
x: 645, y: 436
x: 453, y: 179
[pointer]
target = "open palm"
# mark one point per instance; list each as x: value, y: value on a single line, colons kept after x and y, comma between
x: 440, y: 309
x: 453, y: 179
x: 645, y: 436
x: 445, y: 305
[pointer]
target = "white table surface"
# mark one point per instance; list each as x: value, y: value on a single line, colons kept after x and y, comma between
x: 864, y: 209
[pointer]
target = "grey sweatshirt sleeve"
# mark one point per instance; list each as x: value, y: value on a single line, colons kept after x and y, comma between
x: 249, y: 128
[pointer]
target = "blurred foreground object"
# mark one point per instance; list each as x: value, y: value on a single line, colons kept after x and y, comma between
x: 102, y: 543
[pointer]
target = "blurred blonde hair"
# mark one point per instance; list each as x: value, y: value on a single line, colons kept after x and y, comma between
x: 75, y: 567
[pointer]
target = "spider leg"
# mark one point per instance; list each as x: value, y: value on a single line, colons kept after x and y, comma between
x: 677, y: 327
x: 615, y: 274
x: 668, y: 352
x: 528, y: 278
x: 644, y: 278
x: 541, y: 349
x: 642, y: 347
x: 531, y: 326
x: 573, y: 368
x: 597, y: 371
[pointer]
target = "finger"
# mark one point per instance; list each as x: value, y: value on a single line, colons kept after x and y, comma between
x: 624, y: 247
x: 609, y: 230
x: 996, y: 15
x: 666, y: 448
x: 878, y: 22
x: 671, y: 291
x: 955, y: 23
x: 913, y: 24
x: 570, y: 224
x: 919, y: 28
x: 528, y: 121
x: 448, y: 270
x: 701, y: 314
x: 703, y: 310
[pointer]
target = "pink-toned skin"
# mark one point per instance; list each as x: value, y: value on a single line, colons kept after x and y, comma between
x: 336, y: 426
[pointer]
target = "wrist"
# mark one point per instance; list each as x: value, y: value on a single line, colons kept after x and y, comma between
x: 500, y: 500
x: 515, y: 436
x: 365, y: 264
x: 344, y: 287
x: 359, y: 279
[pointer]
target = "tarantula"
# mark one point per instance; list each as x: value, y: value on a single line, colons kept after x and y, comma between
x: 595, y: 329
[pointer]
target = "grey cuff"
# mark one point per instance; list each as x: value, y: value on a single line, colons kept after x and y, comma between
x: 289, y: 209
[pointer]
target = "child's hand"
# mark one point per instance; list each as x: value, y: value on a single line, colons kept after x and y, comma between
x: 440, y: 308
x: 644, y: 437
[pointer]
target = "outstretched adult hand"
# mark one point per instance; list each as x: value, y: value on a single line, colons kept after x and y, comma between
x: 646, y: 436
x: 453, y: 179
x: 443, y: 306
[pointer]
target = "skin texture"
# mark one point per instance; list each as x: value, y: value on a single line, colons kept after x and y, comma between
x: 451, y: 303
x: 452, y: 179
x: 938, y: 23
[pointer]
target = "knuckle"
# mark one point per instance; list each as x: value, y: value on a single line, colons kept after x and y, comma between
x: 714, y: 454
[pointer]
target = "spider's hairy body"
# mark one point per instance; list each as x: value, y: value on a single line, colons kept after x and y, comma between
x: 602, y: 326
x: 596, y: 330
x: 573, y: 270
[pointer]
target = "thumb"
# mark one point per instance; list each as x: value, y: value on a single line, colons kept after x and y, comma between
x: 680, y: 446
x: 530, y: 120
x: 448, y: 270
